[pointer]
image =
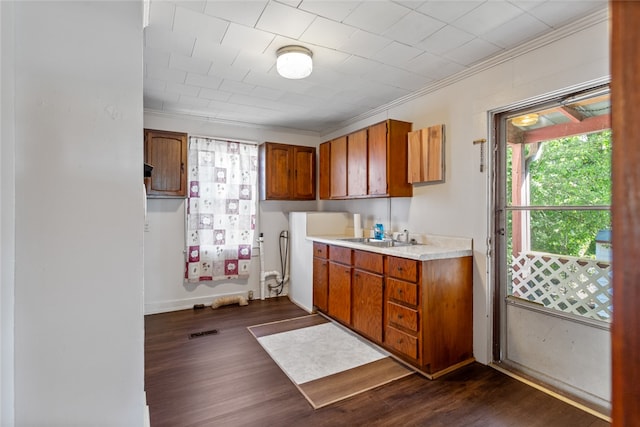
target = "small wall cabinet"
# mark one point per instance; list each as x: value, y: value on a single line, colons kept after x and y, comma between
x: 367, y: 163
x: 167, y: 153
x: 287, y: 172
x: 426, y: 155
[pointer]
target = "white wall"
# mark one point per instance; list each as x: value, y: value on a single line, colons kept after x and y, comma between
x: 7, y: 216
x: 79, y: 355
x: 165, y: 288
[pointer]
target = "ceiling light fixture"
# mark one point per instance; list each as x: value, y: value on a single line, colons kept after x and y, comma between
x: 526, y: 120
x: 294, y: 62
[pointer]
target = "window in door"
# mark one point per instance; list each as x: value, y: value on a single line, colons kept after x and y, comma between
x: 555, y: 205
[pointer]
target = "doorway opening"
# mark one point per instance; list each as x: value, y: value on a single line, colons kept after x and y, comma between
x: 552, y: 238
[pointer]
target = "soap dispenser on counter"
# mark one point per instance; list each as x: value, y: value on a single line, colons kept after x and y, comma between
x: 378, y: 231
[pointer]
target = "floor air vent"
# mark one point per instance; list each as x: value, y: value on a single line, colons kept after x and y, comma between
x: 203, y: 333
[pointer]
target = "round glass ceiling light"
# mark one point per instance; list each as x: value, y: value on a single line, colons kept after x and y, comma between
x: 294, y: 62
x: 526, y: 120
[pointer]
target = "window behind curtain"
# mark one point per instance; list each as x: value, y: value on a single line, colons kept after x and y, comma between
x: 221, y: 209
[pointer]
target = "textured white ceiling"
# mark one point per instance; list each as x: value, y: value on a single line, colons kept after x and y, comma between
x: 216, y: 59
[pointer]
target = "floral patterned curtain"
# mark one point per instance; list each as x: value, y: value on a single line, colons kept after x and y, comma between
x: 221, y: 209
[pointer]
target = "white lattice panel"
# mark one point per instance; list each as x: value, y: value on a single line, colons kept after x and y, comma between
x: 574, y: 285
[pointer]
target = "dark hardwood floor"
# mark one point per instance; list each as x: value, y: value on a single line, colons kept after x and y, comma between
x: 227, y: 379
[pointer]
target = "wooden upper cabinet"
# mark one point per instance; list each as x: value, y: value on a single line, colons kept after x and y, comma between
x: 426, y: 155
x: 167, y: 153
x: 304, y: 175
x: 287, y: 172
x: 338, y: 160
x: 324, y: 188
x: 371, y: 162
x: 397, y: 183
x: 377, y: 158
x: 357, y: 164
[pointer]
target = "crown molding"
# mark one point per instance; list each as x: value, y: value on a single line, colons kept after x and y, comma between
x: 233, y: 123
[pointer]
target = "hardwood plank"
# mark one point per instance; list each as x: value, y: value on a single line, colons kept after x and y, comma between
x: 270, y: 328
x: 349, y: 383
x: 227, y: 379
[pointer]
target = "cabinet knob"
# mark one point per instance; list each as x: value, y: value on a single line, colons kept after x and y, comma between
x: 400, y: 316
x: 399, y: 268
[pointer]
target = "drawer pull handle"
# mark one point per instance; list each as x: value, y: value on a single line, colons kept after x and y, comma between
x: 399, y: 268
x: 400, y: 316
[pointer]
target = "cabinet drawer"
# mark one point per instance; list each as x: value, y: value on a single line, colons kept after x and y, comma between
x: 403, y: 268
x: 402, y: 316
x: 340, y: 254
x: 401, y: 342
x: 320, y: 250
x: 405, y: 292
x: 368, y: 261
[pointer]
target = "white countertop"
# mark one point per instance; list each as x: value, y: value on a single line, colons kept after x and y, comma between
x: 429, y: 247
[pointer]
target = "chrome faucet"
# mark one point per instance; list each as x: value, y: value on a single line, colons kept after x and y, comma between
x: 406, y: 235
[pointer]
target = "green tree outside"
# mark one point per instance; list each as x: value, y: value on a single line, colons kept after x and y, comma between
x: 573, y: 171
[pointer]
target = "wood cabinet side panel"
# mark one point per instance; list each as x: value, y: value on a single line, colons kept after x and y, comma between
x: 448, y: 311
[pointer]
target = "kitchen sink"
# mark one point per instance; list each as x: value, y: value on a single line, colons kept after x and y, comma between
x: 386, y: 243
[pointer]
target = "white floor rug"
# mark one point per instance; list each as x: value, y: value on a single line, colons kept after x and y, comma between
x: 326, y: 362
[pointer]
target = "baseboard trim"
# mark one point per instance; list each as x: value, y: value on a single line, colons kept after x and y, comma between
x: 552, y: 393
x: 184, y: 304
x: 302, y: 306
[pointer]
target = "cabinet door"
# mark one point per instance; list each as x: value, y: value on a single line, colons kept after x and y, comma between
x: 325, y: 170
x: 340, y: 292
x: 278, y: 170
x: 339, y: 167
x: 426, y: 154
x: 320, y: 283
x: 167, y: 153
x: 378, y: 159
x: 366, y: 313
x: 304, y: 179
x: 357, y: 163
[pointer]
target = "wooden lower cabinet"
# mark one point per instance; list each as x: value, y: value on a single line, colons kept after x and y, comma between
x: 429, y: 312
x: 339, y: 306
x: 340, y: 292
x: 420, y: 311
x: 320, y: 283
x: 320, y: 276
x: 368, y: 294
